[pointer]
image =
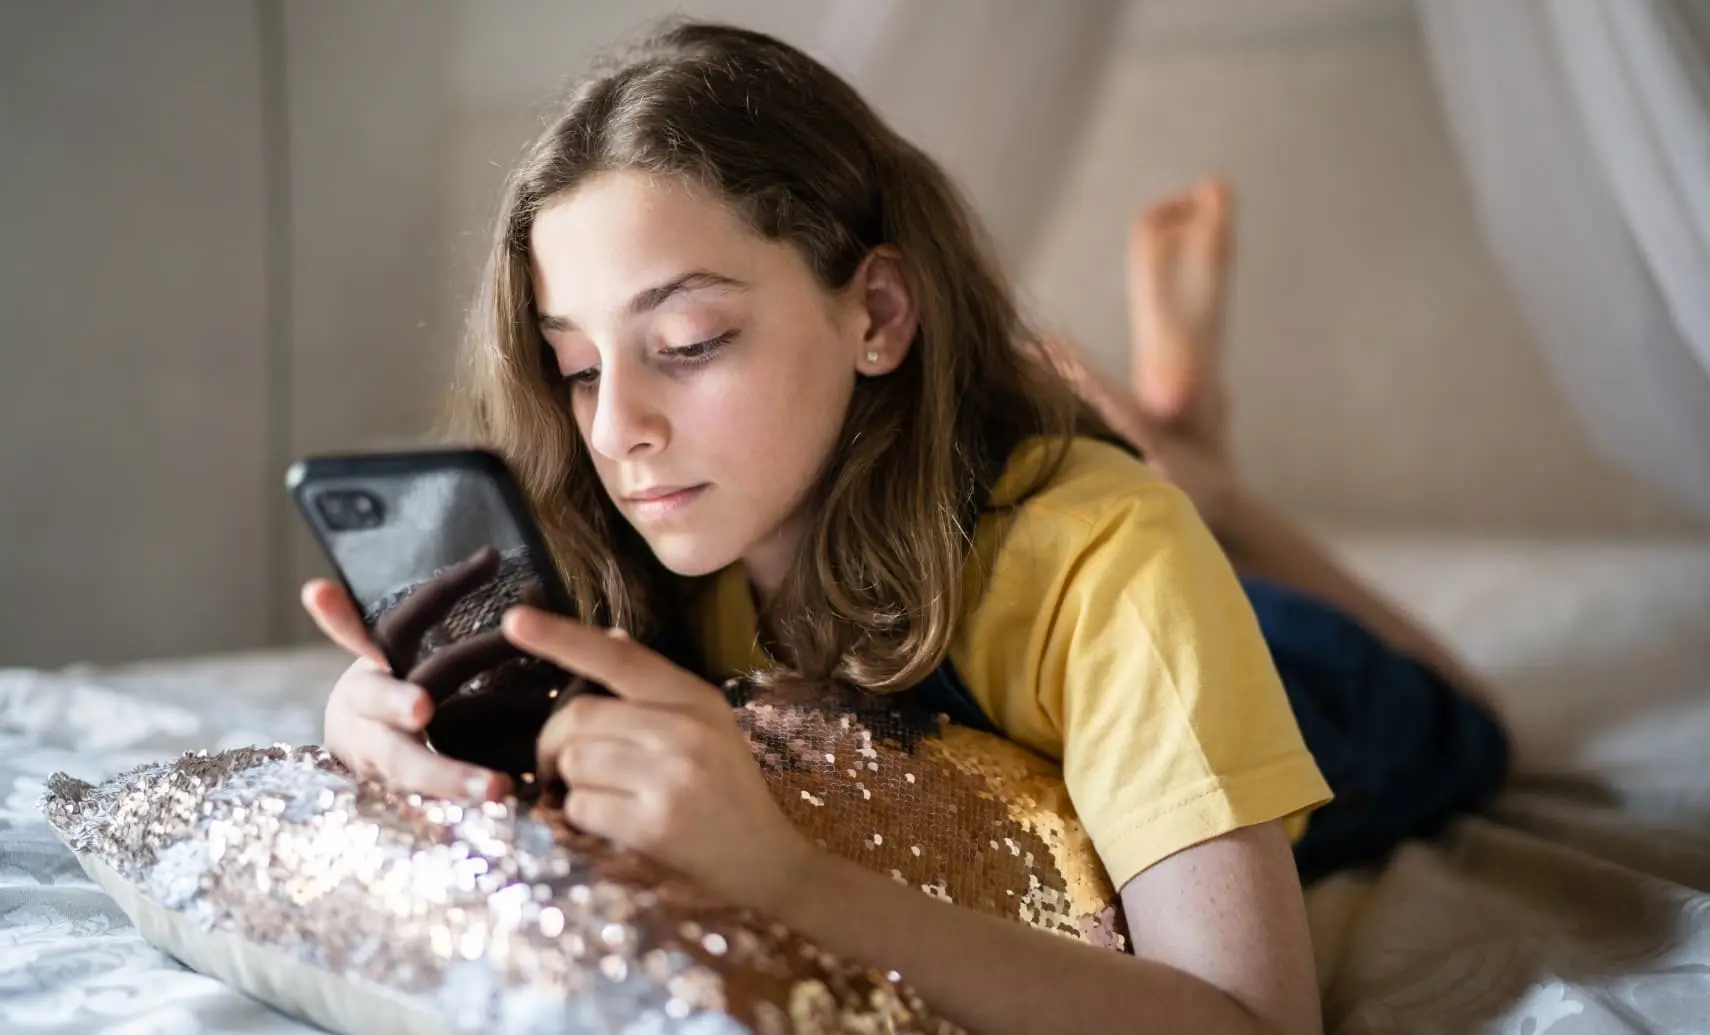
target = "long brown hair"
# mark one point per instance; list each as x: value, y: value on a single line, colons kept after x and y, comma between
x: 875, y: 594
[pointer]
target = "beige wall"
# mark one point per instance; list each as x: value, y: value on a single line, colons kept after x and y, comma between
x: 1381, y: 371
x: 242, y: 231
x: 133, y: 295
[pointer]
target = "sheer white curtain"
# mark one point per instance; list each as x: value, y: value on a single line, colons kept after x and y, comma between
x: 1584, y: 127
x: 994, y: 89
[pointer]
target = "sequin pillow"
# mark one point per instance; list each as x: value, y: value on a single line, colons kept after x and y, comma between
x: 962, y: 815
x: 365, y: 911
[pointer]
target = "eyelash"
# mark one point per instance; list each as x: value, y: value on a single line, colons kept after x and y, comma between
x: 698, y: 354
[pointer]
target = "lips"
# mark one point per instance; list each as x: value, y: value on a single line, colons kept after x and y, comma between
x: 657, y: 492
x: 663, y: 500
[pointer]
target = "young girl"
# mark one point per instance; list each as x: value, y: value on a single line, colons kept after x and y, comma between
x: 743, y: 346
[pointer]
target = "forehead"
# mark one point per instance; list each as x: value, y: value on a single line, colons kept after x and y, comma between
x: 620, y: 233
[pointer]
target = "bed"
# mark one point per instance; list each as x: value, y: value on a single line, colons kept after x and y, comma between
x: 1580, y: 902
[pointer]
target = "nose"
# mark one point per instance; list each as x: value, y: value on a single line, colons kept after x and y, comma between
x: 627, y: 421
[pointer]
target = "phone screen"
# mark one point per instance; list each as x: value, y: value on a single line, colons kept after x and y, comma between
x: 433, y: 552
x: 388, y: 534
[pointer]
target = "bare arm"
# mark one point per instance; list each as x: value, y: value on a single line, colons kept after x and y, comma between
x: 1222, y: 946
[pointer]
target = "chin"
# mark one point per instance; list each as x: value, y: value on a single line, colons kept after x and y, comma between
x: 692, y: 556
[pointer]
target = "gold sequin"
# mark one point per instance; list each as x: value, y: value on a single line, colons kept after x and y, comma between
x: 965, y: 816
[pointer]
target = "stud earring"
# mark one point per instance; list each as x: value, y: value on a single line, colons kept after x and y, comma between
x: 872, y: 355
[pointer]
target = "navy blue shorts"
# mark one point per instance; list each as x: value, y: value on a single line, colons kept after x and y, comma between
x: 1402, y: 750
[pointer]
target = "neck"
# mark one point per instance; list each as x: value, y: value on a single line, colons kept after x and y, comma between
x: 768, y: 561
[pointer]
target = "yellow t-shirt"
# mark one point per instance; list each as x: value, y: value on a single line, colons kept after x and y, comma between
x: 1106, y: 629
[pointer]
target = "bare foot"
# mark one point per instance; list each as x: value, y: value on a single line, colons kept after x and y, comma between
x: 1178, y: 261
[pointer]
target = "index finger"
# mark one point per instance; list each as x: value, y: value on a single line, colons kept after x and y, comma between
x: 334, y: 613
x: 607, y: 657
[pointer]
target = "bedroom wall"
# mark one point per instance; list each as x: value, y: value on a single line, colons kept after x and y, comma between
x: 1382, y: 373
x: 133, y: 286
x: 243, y: 231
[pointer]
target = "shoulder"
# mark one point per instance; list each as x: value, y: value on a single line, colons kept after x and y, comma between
x: 1061, y: 569
x: 1098, y: 497
x: 1106, y: 628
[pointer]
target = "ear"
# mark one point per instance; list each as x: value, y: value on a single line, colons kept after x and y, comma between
x: 885, y: 316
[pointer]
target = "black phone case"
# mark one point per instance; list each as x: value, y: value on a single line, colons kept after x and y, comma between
x: 410, y: 534
x: 482, y: 470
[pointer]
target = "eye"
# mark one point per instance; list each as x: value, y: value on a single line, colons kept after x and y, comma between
x: 683, y: 356
x: 583, y: 381
x: 700, y: 351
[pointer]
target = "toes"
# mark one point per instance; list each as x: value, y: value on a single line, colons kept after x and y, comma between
x: 1214, y: 209
x: 1213, y: 195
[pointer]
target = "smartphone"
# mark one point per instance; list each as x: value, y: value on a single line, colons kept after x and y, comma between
x: 433, y: 546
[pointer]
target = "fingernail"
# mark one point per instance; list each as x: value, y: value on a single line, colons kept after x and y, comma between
x: 479, y: 787
x: 516, y: 620
x: 406, y: 703
x: 617, y: 634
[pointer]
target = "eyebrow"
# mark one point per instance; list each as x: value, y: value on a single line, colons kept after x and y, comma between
x: 652, y: 298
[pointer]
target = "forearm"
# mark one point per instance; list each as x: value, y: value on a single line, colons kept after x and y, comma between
x: 992, y: 975
x: 1263, y: 543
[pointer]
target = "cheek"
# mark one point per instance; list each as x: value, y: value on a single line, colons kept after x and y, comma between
x: 796, y: 430
x: 604, y: 469
x: 793, y: 402
x: 582, y: 413
x: 735, y: 415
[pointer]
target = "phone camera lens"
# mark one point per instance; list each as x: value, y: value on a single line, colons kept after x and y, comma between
x: 351, y: 510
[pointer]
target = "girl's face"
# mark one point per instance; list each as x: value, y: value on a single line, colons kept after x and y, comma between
x: 708, y: 370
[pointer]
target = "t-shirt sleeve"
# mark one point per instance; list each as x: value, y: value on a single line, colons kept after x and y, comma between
x: 1175, y: 727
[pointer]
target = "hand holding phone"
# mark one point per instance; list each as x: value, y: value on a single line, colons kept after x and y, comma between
x: 430, y: 549
x: 375, y: 722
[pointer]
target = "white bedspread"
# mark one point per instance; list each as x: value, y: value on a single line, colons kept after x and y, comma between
x: 1581, y: 903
